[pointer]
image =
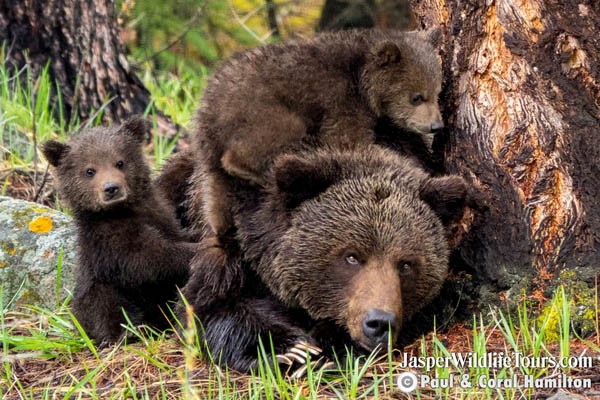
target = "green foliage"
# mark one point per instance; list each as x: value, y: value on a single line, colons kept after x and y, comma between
x: 31, y: 113
x: 38, y: 336
x: 191, y: 34
x: 176, y: 94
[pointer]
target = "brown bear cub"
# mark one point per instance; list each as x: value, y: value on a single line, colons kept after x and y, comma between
x: 329, y: 89
x: 339, y: 247
x: 132, y: 252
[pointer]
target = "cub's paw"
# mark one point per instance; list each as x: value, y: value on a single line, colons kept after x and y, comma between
x: 298, y: 357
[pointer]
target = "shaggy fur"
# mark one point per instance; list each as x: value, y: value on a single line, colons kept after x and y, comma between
x: 132, y: 252
x: 330, y: 89
x: 334, y: 235
x: 174, y: 183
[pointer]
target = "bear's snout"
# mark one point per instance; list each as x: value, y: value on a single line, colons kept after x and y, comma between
x: 112, y: 192
x: 376, y: 326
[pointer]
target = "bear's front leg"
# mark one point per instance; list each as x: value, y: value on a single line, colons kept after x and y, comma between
x: 233, y: 330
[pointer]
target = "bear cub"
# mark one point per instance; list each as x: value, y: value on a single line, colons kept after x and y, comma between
x: 329, y: 89
x: 132, y: 252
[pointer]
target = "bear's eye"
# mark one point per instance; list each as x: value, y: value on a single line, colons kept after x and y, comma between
x: 90, y: 172
x: 417, y: 99
x: 120, y: 164
x: 405, y: 267
x: 352, y: 260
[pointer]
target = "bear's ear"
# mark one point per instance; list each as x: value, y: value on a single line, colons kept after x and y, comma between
x: 433, y: 36
x: 54, y: 152
x: 136, y: 127
x: 299, y: 180
x: 445, y: 195
x: 387, y: 53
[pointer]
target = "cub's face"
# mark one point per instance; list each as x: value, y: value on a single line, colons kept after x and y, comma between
x: 366, y: 252
x: 403, y: 79
x: 413, y: 105
x: 101, y: 168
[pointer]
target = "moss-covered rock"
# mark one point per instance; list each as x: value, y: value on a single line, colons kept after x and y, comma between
x: 32, y: 238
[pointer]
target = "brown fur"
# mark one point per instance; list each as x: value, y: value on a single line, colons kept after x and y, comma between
x: 293, y: 241
x: 132, y: 252
x: 366, y: 201
x: 376, y: 286
x: 330, y: 89
x: 174, y: 184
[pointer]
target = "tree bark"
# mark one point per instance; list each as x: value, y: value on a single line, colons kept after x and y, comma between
x: 521, y: 98
x: 81, y: 41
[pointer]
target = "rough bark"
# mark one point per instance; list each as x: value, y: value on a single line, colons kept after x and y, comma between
x: 80, y: 40
x: 522, y: 102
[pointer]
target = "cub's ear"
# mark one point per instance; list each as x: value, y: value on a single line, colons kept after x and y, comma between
x: 433, y: 36
x: 136, y: 127
x: 446, y: 196
x: 54, y: 152
x: 299, y: 180
x: 387, y: 53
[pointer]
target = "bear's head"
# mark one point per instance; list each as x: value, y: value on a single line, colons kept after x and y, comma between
x: 365, y: 243
x: 102, y: 168
x: 402, y: 80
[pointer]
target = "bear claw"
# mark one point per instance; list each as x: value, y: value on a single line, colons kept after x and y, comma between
x: 299, y: 353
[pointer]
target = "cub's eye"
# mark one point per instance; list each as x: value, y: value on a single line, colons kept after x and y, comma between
x: 90, y: 172
x: 120, y: 164
x: 352, y: 260
x: 417, y: 99
x: 405, y: 267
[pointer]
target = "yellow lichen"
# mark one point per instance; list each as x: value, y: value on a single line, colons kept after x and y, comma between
x: 3, y: 264
x: 40, y: 210
x: 41, y: 225
x: 13, y: 251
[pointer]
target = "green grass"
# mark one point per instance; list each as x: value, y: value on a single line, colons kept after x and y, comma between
x: 31, y: 113
x: 51, y: 346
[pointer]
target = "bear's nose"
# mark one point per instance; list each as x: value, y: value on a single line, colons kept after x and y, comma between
x: 436, y: 127
x: 111, y: 189
x: 377, y: 324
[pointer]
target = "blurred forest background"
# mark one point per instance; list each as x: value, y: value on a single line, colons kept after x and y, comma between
x: 190, y: 35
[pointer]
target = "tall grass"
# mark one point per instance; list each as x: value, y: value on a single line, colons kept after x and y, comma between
x: 150, y: 364
x: 31, y: 113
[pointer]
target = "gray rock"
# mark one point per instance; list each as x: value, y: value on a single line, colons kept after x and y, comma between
x: 31, y: 239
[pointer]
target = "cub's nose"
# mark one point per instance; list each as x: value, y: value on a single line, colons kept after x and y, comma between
x: 436, y: 127
x: 376, y: 326
x: 111, y: 190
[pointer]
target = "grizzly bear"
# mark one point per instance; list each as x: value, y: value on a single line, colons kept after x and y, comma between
x: 329, y: 89
x: 340, y: 246
x: 132, y: 252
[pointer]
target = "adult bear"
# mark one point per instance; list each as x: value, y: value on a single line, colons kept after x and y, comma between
x: 338, y: 247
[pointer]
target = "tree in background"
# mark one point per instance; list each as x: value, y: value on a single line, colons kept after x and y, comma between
x: 521, y: 99
x: 79, y: 41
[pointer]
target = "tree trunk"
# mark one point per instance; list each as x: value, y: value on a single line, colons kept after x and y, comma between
x: 81, y: 41
x: 522, y: 102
